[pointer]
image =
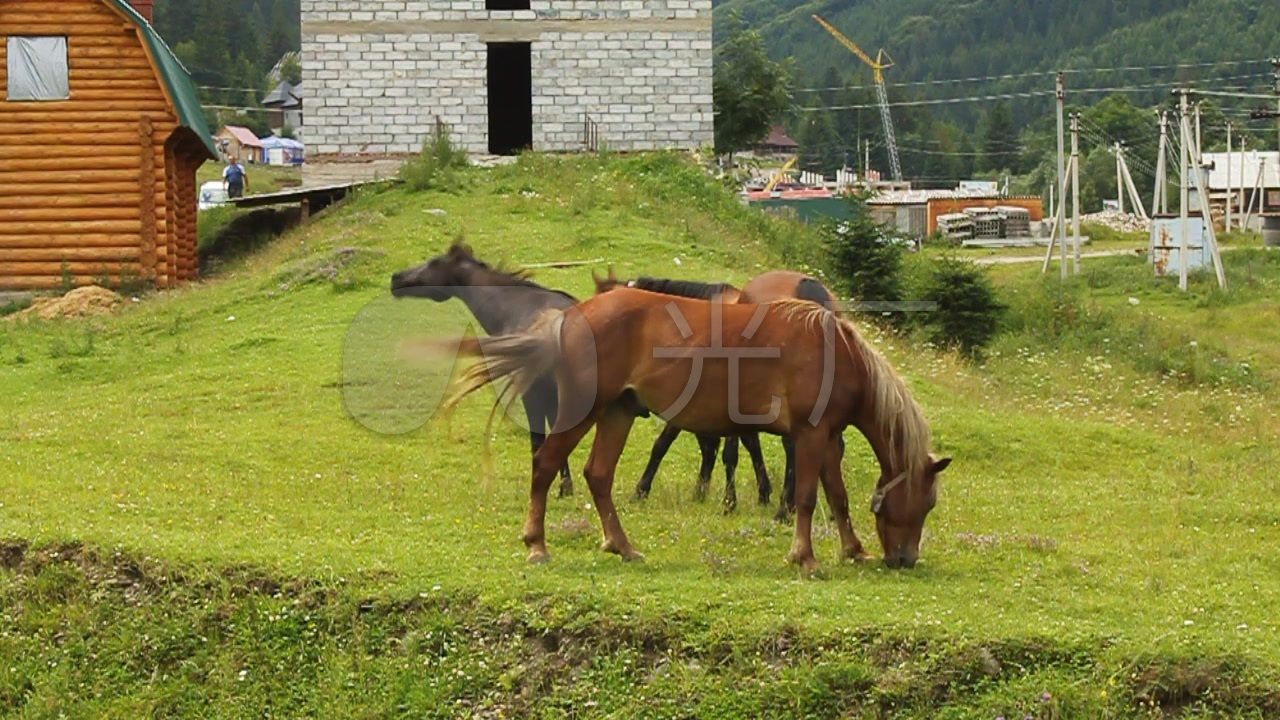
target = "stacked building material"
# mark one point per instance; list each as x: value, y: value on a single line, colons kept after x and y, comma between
x: 956, y: 226
x: 1016, y: 220
x: 986, y: 223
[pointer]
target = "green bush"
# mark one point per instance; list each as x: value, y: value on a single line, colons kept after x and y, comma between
x: 864, y: 260
x: 437, y: 167
x: 968, y: 312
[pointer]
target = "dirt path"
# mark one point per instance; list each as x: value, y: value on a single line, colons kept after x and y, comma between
x: 1010, y: 260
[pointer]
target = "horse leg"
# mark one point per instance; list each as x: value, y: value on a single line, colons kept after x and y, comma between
x: 730, y: 459
x: 552, y: 456
x: 540, y: 408
x: 660, y: 447
x: 787, y: 504
x: 751, y: 441
x: 709, y: 445
x: 811, y: 445
x: 611, y: 437
x: 838, y: 500
x: 566, y: 475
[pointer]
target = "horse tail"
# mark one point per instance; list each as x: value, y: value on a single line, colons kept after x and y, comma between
x: 814, y: 291
x: 520, y: 358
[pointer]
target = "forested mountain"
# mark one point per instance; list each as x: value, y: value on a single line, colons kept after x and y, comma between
x: 229, y: 46
x: 1003, y: 120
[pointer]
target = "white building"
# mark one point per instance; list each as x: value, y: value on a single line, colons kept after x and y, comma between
x: 503, y: 75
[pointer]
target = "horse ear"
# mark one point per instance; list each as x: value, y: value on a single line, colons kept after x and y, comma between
x: 613, y: 277
x: 460, y: 248
x: 940, y: 465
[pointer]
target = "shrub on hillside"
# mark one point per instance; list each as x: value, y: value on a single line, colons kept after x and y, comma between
x: 865, y: 261
x: 436, y: 167
x: 968, y: 312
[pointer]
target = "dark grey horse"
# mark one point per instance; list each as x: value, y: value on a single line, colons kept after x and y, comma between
x: 502, y: 302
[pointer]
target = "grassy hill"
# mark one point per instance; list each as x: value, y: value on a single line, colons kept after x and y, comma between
x: 200, y: 521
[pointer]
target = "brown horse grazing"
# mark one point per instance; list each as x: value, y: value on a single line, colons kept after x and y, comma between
x: 789, y: 368
x: 716, y: 292
x: 766, y: 287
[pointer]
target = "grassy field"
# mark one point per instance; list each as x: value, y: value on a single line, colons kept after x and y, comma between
x: 210, y: 513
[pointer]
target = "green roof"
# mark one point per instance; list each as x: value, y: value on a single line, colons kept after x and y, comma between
x: 176, y: 79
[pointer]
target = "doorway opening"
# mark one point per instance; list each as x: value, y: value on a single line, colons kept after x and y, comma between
x: 506, y: 4
x: 510, y: 77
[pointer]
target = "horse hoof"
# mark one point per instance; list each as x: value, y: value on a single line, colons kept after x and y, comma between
x: 539, y: 557
x: 633, y: 557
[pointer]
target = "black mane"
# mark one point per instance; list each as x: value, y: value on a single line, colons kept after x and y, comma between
x: 516, y: 277
x: 683, y: 288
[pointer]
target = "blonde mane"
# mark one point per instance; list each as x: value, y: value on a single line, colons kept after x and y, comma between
x: 893, y: 406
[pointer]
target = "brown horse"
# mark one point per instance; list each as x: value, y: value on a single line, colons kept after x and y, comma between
x: 790, y: 368
x: 716, y: 292
x: 766, y: 287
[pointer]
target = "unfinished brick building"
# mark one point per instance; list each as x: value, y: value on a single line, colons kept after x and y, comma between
x: 506, y: 74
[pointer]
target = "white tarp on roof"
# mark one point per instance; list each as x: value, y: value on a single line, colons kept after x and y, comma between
x: 38, y: 68
x: 1244, y: 172
x: 920, y: 197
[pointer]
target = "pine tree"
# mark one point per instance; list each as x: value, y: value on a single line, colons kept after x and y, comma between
x: 999, y: 140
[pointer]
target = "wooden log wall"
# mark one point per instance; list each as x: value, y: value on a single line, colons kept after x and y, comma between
x: 102, y: 182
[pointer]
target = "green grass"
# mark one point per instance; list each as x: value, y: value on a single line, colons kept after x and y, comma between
x: 1106, y: 534
x: 263, y: 179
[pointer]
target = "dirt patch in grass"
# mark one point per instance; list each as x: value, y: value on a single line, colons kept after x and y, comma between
x: 81, y: 302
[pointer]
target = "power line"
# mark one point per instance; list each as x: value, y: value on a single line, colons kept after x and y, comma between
x: 943, y: 101
x: 1018, y: 76
x: 1178, y: 66
x: 919, y: 83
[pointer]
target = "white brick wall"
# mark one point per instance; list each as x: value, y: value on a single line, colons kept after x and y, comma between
x: 371, y: 93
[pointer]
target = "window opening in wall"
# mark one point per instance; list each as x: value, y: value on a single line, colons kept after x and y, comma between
x: 506, y: 4
x: 37, y: 68
x: 510, y: 78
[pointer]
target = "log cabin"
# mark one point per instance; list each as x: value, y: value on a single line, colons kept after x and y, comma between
x: 101, y: 134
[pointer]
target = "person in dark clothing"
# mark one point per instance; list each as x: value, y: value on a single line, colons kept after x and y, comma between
x: 235, y: 178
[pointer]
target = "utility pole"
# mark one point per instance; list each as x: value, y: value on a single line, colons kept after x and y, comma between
x: 1159, y: 205
x: 1119, y: 179
x: 1138, y: 209
x: 1199, y: 158
x: 1239, y: 200
x: 1202, y: 193
x: 1275, y: 63
x: 1230, y: 185
x: 1075, y: 187
x: 1183, y: 198
x: 1062, y: 175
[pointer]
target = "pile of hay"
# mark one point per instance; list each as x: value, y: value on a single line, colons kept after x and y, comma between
x: 81, y: 302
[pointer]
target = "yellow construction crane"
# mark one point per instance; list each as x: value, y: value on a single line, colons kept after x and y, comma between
x: 881, y: 63
x: 783, y: 171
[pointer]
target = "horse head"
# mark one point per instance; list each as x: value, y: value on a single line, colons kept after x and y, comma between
x: 434, y: 278
x: 901, y: 505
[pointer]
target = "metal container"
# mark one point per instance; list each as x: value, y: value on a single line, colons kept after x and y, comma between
x: 1271, y: 230
x: 1166, y: 244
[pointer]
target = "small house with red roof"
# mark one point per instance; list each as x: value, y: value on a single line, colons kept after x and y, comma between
x: 778, y: 142
x: 240, y: 142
